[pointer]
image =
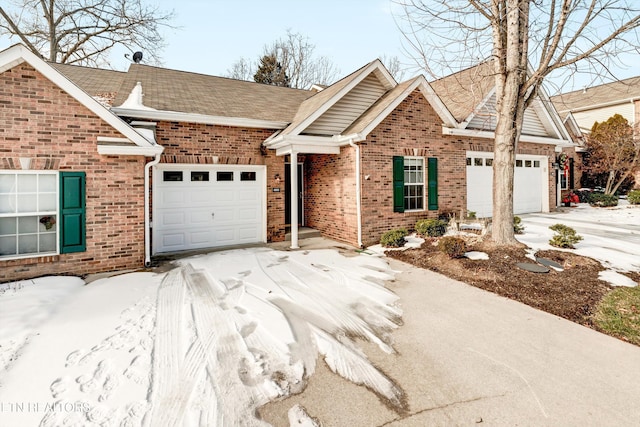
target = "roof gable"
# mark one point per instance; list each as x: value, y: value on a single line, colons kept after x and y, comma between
x: 599, y: 96
x: 18, y: 54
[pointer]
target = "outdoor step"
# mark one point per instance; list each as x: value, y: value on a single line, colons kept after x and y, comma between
x: 303, y: 233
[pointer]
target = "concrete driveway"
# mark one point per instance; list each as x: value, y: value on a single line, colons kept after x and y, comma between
x: 468, y: 357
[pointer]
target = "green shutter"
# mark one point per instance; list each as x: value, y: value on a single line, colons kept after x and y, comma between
x: 432, y: 171
x: 72, y: 212
x: 398, y: 184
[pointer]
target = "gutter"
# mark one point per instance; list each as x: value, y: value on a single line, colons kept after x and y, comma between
x: 358, y: 191
x: 147, y: 220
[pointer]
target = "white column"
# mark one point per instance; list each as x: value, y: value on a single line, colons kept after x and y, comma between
x: 293, y: 164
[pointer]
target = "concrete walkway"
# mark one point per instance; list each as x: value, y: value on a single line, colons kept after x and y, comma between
x: 468, y: 357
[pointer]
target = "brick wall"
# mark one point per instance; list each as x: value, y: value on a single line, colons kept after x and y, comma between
x: 40, y: 121
x: 193, y: 143
x: 412, y: 129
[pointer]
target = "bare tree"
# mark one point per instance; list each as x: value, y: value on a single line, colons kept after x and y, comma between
x: 395, y: 67
x: 84, y: 31
x: 295, y: 54
x: 613, y: 149
x: 527, y: 41
x: 242, y: 69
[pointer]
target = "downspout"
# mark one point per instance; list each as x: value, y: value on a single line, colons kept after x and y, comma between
x: 147, y: 220
x: 358, y: 198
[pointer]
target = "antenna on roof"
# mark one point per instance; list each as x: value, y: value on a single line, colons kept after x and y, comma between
x: 137, y: 57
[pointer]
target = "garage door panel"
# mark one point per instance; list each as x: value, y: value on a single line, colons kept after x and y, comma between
x: 527, y: 184
x: 200, y: 214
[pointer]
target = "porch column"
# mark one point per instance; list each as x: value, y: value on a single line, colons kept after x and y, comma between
x: 293, y: 164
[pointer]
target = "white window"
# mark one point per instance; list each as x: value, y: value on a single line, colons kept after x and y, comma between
x: 28, y: 213
x: 413, y: 183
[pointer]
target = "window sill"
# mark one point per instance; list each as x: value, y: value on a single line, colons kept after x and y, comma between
x: 30, y: 259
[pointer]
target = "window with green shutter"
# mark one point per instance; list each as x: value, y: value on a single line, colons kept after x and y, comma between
x: 72, y: 212
x: 409, y: 183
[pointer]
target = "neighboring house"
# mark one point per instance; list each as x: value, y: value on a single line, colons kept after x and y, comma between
x: 597, y: 104
x: 102, y: 169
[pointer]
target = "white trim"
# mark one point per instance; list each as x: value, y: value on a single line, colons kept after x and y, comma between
x: 19, y: 53
x: 259, y: 169
x: 175, y: 116
x: 427, y: 91
x: 492, y: 135
x: 129, y: 150
x: 597, y: 106
x: 358, y: 193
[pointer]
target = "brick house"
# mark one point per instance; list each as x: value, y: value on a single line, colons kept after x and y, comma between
x: 582, y: 108
x: 102, y: 169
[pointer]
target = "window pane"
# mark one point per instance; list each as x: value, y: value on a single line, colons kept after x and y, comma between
x: 536, y: 163
x: 48, y: 242
x: 224, y: 176
x: 27, y: 183
x: 47, y: 183
x: 468, y: 161
x: 27, y: 224
x: 488, y: 162
x: 247, y: 176
x: 7, y: 183
x: 47, y: 223
x: 527, y: 163
x: 27, y: 203
x: 199, y: 176
x: 8, y: 245
x: 7, y: 226
x: 47, y: 202
x: 28, y: 244
x: 477, y: 161
x: 7, y: 203
x: 172, y: 176
x: 519, y: 163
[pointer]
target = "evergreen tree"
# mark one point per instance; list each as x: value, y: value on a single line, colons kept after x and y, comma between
x: 270, y: 72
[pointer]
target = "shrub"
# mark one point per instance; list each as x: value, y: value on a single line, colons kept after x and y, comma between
x: 518, y: 228
x: 565, y: 236
x: 603, y: 200
x: 455, y: 247
x: 634, y: 197
x: 583, y: 195
x: 471, y: 215
x: 431, y: 227
x: 394, y: 238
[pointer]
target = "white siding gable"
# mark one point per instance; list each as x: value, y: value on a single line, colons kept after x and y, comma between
x: 348, y: 108
x: 586, y: 119
x: 485, y: 119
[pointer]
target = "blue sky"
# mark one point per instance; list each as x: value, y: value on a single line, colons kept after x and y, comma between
x: 216, y: 33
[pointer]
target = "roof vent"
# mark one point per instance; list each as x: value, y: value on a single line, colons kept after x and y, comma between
x: 137, y: 57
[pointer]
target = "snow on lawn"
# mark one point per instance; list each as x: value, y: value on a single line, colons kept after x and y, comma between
x: 205, y: 344
x: 610, y: 235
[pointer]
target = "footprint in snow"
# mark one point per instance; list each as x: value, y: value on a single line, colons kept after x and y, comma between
x: 137, y: 370
x: 60, y: 386
x: 75, y: 357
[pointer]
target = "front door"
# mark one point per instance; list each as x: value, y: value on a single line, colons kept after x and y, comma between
x: 287, y: 192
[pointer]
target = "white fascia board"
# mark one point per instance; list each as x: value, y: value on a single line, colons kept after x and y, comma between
x: 492, y: 135
x: 19, y: 53
x: 552, y: 114
x: 375, y: 65
x: 305, y: 144
x: 129, y: 150
x: 601, y: 105
x: 307, y: 149
x: 176, y: 116
x: 427, y: 91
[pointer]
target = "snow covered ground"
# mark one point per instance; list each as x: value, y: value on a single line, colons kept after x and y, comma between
x: 611, y: 235
x: 214, y: 339
x: 202, y: 345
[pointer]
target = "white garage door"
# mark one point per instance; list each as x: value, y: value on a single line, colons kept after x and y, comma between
x: 529, y: 184
x: 200, y: 206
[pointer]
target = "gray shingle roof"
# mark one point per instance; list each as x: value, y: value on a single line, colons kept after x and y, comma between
x: 603, y: 94
x: 185, y: 92
x: 94, y: 81
x: 463, y: 91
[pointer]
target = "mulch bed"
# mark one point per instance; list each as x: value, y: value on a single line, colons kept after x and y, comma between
x: 572, y: 293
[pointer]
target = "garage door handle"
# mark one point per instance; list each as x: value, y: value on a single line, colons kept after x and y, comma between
x: 213, y: 214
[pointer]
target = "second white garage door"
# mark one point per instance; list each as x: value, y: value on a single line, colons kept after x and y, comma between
x: 529, y: 184
x: 200, y: 206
